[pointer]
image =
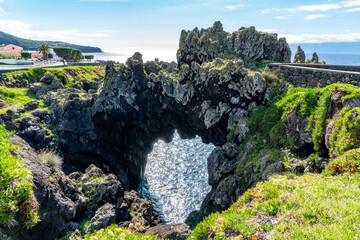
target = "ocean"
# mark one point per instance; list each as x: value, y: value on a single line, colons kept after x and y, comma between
x: 170, y: 55
x: 176, y: 173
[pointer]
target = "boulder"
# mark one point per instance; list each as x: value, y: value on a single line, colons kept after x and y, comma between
x: 104, y: 216
x: 171, y: 231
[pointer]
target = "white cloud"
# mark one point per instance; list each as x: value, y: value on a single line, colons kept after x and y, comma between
x: 314, y: 16
x: 317, y: 8
x: 234, y: 7
x: 1, y: 10
x: 351, y: 3
x: 25, y: 30
x: 353, y: 10
x: 269, y: 10
x: 281, y: 17
x: 320, y: 38
x: 12, y: 27
x: 313, y: 8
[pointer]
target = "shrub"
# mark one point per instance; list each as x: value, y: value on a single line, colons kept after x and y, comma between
x: 26, y: 55
x: 89, y: 57
x: 348, y: 162
x: 51, y: 158
x: 15, y: 185
x: 346, y: 132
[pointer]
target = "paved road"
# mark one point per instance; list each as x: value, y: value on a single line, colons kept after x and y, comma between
x: 24, y: 67
x: 9, y: 68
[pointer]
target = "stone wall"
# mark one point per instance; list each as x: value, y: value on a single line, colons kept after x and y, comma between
x: 317, y: 75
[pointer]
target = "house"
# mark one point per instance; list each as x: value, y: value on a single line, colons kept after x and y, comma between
x: 10, y: 50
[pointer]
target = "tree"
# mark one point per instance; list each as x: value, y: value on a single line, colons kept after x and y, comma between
x: 44, y: 49
x: 89, y: 57
x: 25, y: 55
x: 68, y: 54
x: 50, y: 56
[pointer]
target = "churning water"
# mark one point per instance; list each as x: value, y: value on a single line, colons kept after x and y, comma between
x: 176, y: 177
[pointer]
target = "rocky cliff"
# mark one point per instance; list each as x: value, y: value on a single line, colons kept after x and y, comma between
x: 248, y: 44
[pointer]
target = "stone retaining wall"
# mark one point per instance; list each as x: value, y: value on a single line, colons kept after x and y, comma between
x: 317, y: 75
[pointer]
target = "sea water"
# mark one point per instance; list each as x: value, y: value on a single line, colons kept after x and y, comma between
x: 176, y: 177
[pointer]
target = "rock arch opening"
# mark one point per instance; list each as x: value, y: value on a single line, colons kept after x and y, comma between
x: 176, y: 177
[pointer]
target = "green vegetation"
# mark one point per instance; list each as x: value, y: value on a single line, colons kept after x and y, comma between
x: 115, y: 232
x: 348, y: 162
x: 26, y: 55
x: 67, y: 75
x: 68, y: 54
x: 16, y: 97
x: 299, y: 207
x: 44, y: 49
x: 33, y: 45
x: 15, y: 185
x: 89, y: 57
x: 51, y: 158
x: 345, y: 134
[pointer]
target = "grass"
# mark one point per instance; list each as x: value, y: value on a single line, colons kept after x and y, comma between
x: 16, y: 97
x: 51, y: 158
x: 301, y: 207
x: 68, y: 75
x: 15, y: 185
x: 115, y: 232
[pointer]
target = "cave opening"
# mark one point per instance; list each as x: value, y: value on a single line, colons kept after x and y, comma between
x: 176, y: 177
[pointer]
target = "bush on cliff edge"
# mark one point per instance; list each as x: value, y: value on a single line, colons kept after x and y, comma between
x: 15, y: 185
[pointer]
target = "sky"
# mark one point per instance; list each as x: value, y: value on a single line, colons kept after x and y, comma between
x: 155, y: 25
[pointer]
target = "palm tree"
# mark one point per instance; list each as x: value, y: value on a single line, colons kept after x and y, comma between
x: 44, y: 49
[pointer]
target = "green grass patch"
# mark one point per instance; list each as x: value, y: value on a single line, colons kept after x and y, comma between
x: 303, y: 207
x: 15, y: 185
x: 115, y: 232
x: 65, y: 74
x: 16, y: 97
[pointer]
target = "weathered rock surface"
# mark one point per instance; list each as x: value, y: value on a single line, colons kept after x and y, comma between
x: 299, y: 55
x: 207, y: 44
x: 170, y: 231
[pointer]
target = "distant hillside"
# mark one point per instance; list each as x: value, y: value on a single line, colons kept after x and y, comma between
x: 27, y: 44
x: 330, y: 47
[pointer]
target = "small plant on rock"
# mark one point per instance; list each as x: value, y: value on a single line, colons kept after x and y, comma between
x: 51, y: 158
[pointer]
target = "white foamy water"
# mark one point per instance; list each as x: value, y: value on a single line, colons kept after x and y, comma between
x: 176, y: 177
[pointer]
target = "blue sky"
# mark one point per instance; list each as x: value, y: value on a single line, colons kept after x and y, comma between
x: 118, y: 25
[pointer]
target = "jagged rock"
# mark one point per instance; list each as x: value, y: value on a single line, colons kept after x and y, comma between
x: 297, y: 129
x: 274, y: 168
x: 315, y: 58
x: 316, y: 166
x: 299, y: 56
x: 31, y: 105
x: 104, y: 216
x: 101, y: 188
x: 76, y: 235
x: 142, y: 210
x: 156, y: 105
x: 207, y: 44
x: 48, y: 78
x: 170, y: 231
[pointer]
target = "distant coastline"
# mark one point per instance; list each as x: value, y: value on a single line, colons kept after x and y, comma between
x: 32, y: 45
